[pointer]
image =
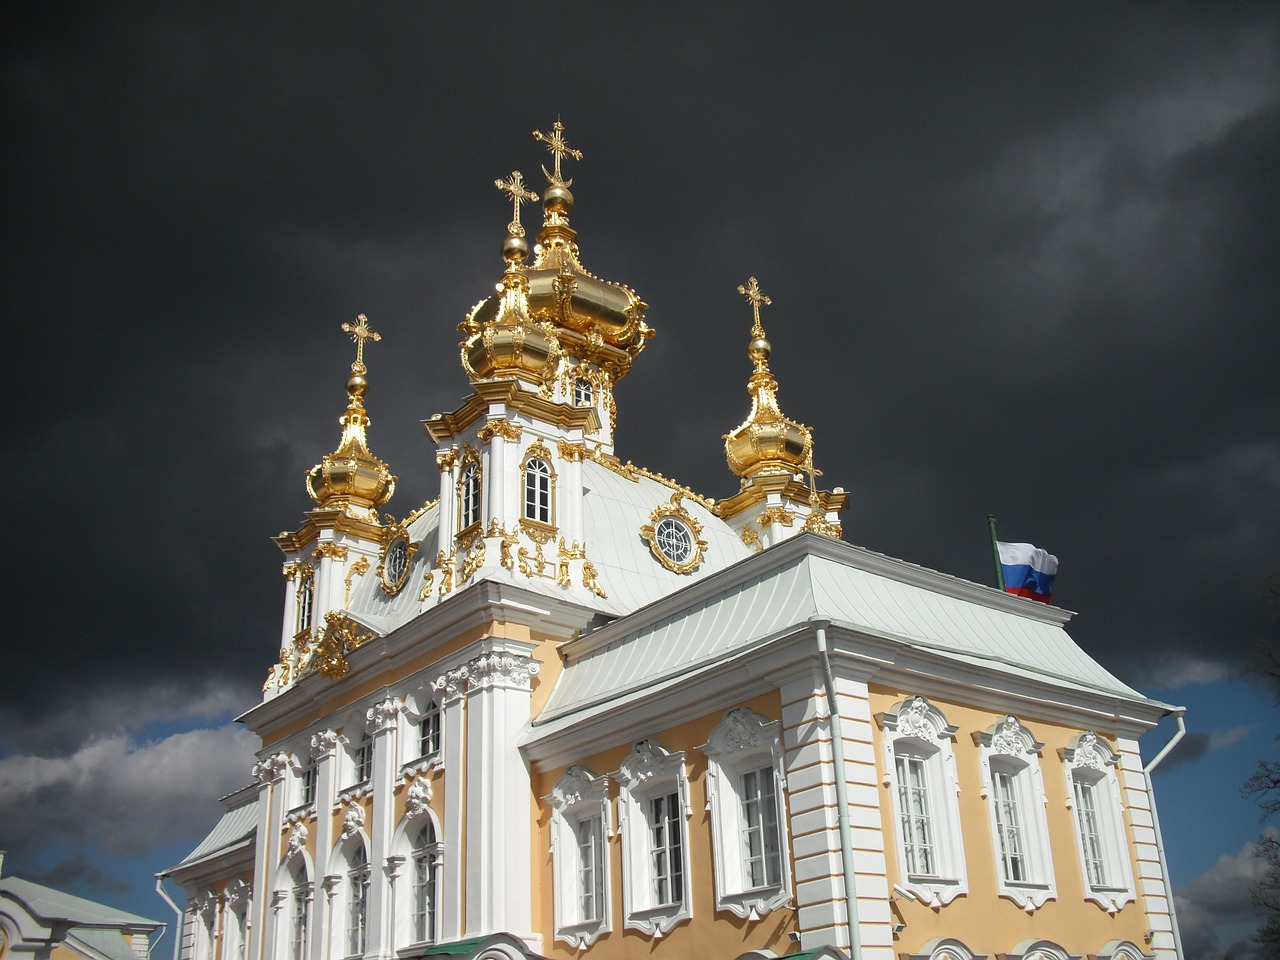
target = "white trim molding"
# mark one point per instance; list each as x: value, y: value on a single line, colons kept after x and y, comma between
x: 943, y: 948
x: 1090, y: 765
x: 920, y: 773
x: 746, y: 786
x: 580, y: 831
x: 1014, y: 789
x: 653, y: 812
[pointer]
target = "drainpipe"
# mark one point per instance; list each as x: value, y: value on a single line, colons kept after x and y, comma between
x: 177, y: 929
x: 1178, y: 714
x: 842, y: 799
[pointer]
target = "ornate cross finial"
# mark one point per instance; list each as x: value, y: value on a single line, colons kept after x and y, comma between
x: 360, y: 332
x: 557, y: 145
x: 514, y: 188
x: 751, y: 290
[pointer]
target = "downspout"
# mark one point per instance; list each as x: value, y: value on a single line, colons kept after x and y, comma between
x: 177, y: 930
x: 1178, y: 713
x: 842, y: 798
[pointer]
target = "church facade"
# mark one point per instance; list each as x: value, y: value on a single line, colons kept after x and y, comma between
x: 571, y: 707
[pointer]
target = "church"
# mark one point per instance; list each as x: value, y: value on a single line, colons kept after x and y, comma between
x: 571, y: 708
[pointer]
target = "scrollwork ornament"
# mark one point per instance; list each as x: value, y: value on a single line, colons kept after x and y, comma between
x: 501, y: 669
x: 452, y: 684
x: 384, y: 716
x: 324, y: 744
x: 591, y: 580
x: 270, y: 768
x: 1008, y: 737
x: 913, y: 720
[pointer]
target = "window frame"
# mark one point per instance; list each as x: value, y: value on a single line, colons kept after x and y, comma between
x: 745, y: 743
x: 1089, y: 759
x: 1009, y: 757
x: 305, y: 605
x: 470, y: 490
x: 650, y: 772
x: 915, y: 728
x: 580, y: 799
x: 357, y: 880
x: 584, y: 392
x: 538, y: 504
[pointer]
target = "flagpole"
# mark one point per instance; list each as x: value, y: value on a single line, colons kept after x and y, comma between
x: 995, y: 550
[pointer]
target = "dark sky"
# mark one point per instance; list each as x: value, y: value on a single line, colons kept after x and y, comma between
x: 1024, y: 259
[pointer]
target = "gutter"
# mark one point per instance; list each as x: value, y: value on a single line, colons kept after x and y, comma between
x: 177, y: 930
x: 1178, y: 714
x: 842, y: 798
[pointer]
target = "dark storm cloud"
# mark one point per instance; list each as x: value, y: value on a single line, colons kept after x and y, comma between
x: 1021, y: 261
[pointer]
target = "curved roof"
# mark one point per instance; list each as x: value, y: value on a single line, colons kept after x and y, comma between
x: 616, y: 503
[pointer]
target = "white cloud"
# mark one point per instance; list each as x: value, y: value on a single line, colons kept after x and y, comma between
x: 1218, y: 898
x: 1178, y: 670
x: 124, y: 796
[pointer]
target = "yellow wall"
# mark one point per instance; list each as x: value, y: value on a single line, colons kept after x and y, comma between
x: 707, y: 933
x: 983, y: 918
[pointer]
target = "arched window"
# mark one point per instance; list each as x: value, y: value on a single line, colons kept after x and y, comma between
x: 423, y: 883
x: 469, y: 496
x: 537, y: 490
x: 583, y: 394
x: 299, y: 910
x: 306, y: 599
x: 357, y: 900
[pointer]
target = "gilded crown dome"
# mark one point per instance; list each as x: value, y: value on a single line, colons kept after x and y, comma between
x: 767, y: 442
x: 351, y: 476
x: 593, y: 319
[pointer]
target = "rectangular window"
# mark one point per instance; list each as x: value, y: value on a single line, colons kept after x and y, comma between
x: 309, y: 783
x: 1009, y: 827
x: 364, y: 759
x: 590, y: 869
x: 358, y: 913
x: 1090, y: 833
x: 665, y: 853
x: 424, y: 897
x: 429, y: 731
x: 913, y: 804
x: 762, y: 848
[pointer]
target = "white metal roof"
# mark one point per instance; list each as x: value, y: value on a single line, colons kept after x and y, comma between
x: 238, y: 823
x: 812, y: 579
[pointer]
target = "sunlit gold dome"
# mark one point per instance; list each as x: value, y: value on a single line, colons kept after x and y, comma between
x: 599, y: 321
x: 766, y: 442
x: 351, y: 475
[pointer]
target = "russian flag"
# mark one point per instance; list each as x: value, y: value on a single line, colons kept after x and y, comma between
x: 1028, y: 570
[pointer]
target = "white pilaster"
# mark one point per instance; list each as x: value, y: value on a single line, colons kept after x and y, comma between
x: 323, y: 749
x: 384, y: 723
x: 451, y: 688
x: 269, y: 773
x: 499, y: 814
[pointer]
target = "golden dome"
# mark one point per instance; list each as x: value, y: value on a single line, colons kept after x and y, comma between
x: 766, y: 442
x: 593, y: 319
x: 351, y: 475
x: 504, y: 342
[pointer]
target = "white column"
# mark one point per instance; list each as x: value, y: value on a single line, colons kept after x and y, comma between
x: 448, y: 464
x: 570, y: 493
x: 451, y: 688
x: 499, y: 806
x: 494, y: 459
x: 384, y: 722
x: 269, y: 773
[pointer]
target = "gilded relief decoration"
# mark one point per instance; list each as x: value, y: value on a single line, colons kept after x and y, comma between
x: 591, y: 580
x: 358, y: 569
x: 332, y: 551
x: 329, y: 656
x: 508, y: 431
x: 751, y: 538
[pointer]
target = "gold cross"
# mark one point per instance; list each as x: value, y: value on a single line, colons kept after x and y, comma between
x: 751, y: 290
x: 557, y: 145
x: 514, y: 187
x: 360, y: 332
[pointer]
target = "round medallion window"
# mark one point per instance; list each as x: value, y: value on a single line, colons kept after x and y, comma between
x: 673, y: 540
x: 396, y: 564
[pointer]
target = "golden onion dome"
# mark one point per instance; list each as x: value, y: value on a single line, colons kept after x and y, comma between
x: 596, y: 320
x: 767, y: 442
x: 351, y: 475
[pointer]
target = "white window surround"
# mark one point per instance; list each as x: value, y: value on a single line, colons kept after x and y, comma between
x: 1038, y: 950
x: 583, y: 392
x: 943, y: 948
x: 580, y: 802
x: 1012, y: 786
x: 417, y: 707
x: 1090, y: 765
x: 469, y: 490
x: 539, y: 490
x: 417, y: 838
x: 649, y: 772
x: 743, y: 750
x: 1121, y: 950
x: 917, y: 733
x: 236, y: 899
